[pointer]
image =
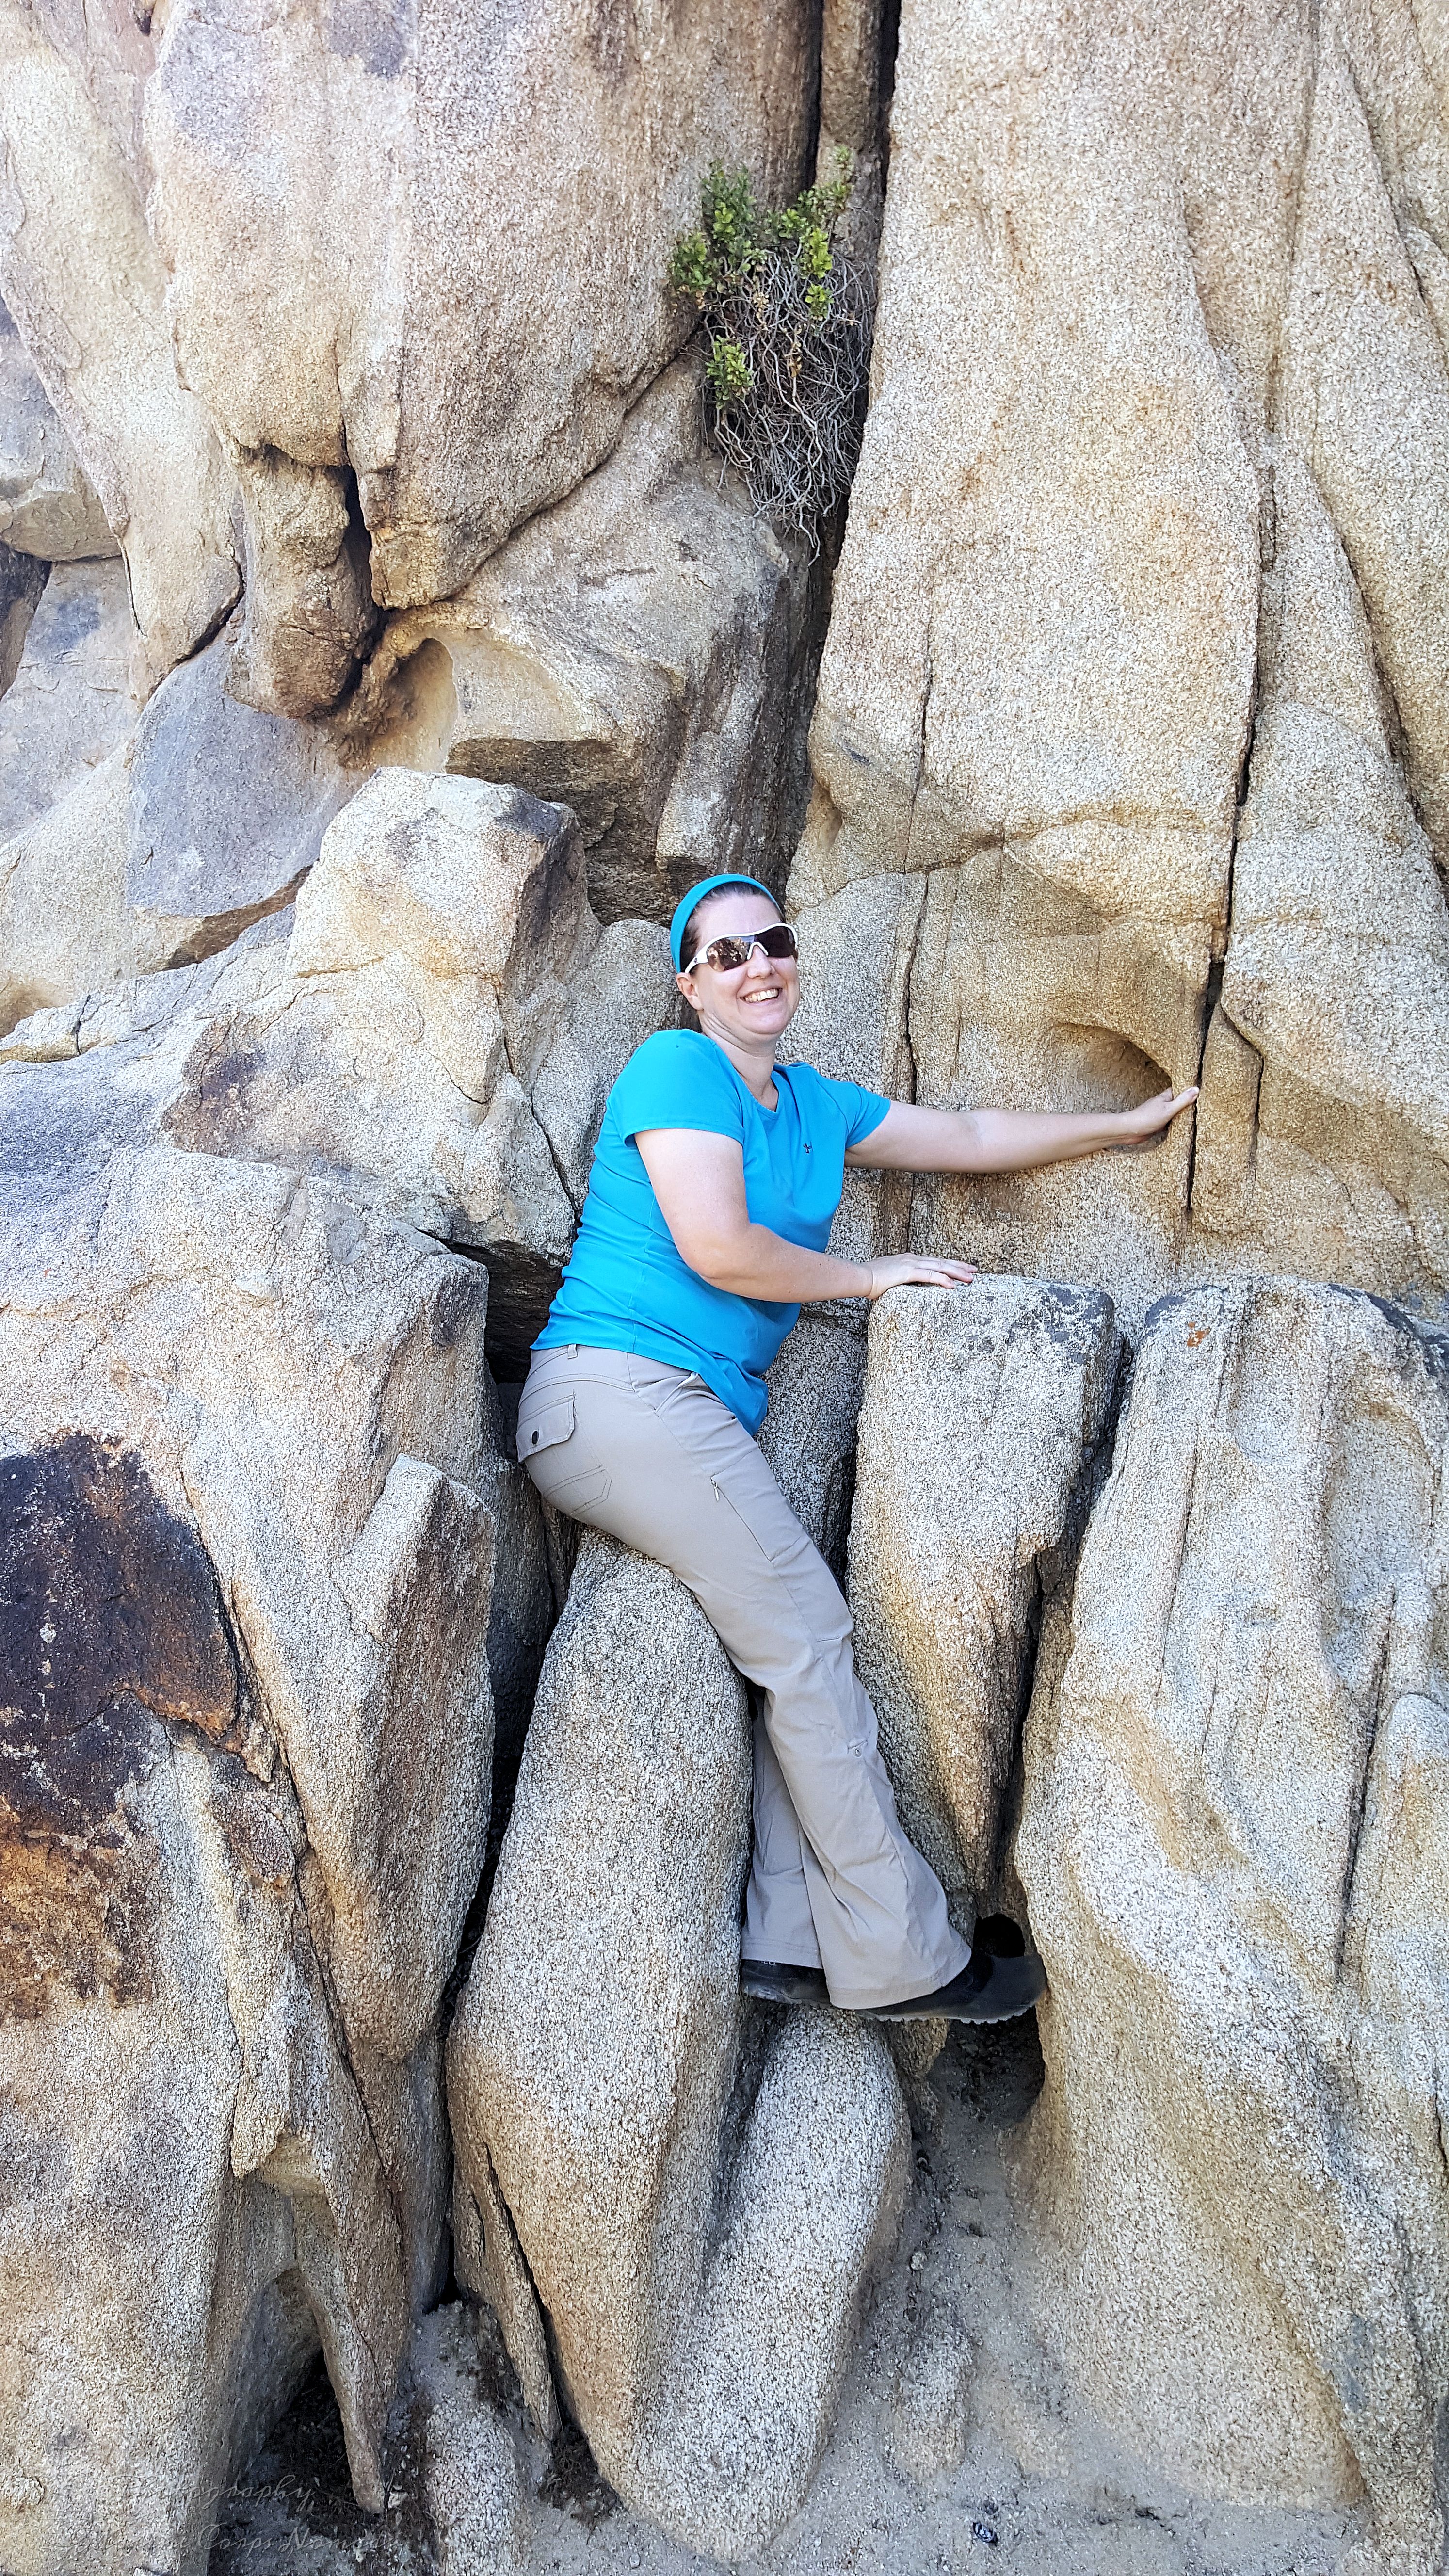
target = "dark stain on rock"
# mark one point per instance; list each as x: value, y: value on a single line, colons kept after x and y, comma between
x: 111, y: 1629
x: 217, y: 1108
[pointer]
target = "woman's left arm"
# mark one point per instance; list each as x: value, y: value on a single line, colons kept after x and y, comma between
x: 1009, y: 1140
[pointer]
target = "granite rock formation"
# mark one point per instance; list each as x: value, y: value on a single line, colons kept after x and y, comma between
x: 697, y: 2192
x: 640, y: 651
x: 1164, y: 737
x: 247, y: 1534
x: 391, y: 406
x: 380, y: 652
x: 1233, y: 1844
x: 984, y: 1412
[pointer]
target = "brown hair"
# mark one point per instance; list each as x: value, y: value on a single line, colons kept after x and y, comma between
x: 735, y: 885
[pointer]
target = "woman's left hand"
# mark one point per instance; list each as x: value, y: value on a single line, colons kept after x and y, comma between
x: 1146, y: 1124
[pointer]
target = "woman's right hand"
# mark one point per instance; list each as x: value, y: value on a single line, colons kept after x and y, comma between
x: 908, y: 1270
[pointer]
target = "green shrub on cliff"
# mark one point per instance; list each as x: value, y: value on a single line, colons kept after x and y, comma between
x: 787, y: 319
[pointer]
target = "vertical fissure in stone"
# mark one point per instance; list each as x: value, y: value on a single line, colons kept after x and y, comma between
x: 890, y: 38
x: 1054, y: 1574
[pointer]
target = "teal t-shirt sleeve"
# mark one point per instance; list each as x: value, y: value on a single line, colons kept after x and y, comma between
x: 676, y: 1079
x: 863, y: 1110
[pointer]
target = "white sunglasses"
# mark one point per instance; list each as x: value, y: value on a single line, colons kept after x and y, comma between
x: 727, y: 956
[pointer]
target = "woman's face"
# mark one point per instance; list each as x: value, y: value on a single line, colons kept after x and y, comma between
x: 750, y: 1003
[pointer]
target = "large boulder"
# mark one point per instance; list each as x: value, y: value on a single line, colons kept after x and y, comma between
x: 443, y: 1030
x: 1191, y: 433
x: 83, y: 281
x: 693, y: 2195
x: 225, y: 814
x: 1233, y: 1839
x: 69, y: 705
x: 391, y: 392
x: 245, y: 1548
x: 639, y: 651
x: 984, y: 1410
x: 48, y: 505
x: 200, y: 822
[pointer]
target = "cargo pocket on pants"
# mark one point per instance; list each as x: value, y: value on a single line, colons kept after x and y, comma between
x: 565, y: 1471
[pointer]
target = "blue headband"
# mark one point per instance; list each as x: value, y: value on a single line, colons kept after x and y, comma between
x: 696, y: 894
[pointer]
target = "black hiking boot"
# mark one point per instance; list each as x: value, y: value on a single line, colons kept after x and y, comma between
x: 988, y: 1988
x: 779, y: 1981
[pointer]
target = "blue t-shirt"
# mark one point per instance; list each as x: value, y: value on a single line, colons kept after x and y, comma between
x: 626, y: 1288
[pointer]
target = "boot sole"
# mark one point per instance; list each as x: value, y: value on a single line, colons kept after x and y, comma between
x: 905, y: 2012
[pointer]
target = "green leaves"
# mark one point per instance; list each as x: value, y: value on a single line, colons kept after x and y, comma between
x: 738, y: 235
x: 727, y: 373
x: 786, y: 317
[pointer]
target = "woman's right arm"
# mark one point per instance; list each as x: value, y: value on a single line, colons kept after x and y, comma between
x: 698, y: 1179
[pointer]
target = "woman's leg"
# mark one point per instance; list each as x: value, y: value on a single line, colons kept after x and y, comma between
x: 646, y: 1452
x: 779, y: 1922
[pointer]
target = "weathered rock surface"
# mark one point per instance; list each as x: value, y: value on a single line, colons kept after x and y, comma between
x: 243, y: 1791
x: 226, y: 812
x: 391, y: 353
x: 65, y: 931
x: 983, y: 1410
x: 443, y: 1031
x: 191, y: 828
x: 1233, y: 1843
x: 85, y: 286
x: 22, y: 579
x: 473, y: 2482
x: 69, y: 704
x: 1160, y: 400
x: 638, y: 652
x: 48, y: 505
x: 1326, y: 1107
x: 697, y: 2195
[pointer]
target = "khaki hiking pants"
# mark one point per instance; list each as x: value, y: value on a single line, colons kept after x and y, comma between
x: 646, y: 1452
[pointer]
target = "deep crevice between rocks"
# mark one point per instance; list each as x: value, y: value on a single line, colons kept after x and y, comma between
x: 1054, y: 1578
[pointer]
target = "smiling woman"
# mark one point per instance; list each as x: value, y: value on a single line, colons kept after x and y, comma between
x: 716, y: 1177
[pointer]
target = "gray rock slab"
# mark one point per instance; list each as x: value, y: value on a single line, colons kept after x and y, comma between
x: 228, y: 805
x: 69, y: 703
x: 245, y: 1550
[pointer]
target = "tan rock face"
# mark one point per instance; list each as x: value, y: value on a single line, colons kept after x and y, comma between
x: 83, y: 282
x: 438, y: 177
x: 245, y: 1550
x: 638, y: 652
x: 443, y: 1028
x: 47, y: 505
x: 1159, y: 403
x: 1232, y: 1841
x: 697, y: 2197
x: 983, y: 1412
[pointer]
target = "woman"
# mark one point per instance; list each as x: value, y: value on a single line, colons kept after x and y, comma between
x: 714, y: 1182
